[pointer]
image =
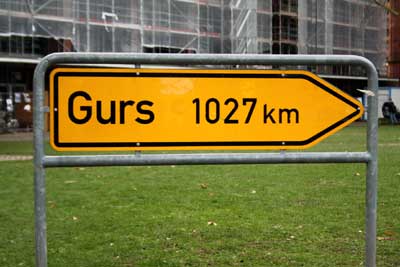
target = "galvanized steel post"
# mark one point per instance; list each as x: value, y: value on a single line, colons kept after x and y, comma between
x: 372, y: 169
x: 39, y: 171
x: 41, y: 161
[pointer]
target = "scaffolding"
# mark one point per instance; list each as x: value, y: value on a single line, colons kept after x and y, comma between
x: 34, y: 28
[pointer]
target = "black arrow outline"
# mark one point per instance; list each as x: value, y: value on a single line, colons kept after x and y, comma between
x: 166, y: 145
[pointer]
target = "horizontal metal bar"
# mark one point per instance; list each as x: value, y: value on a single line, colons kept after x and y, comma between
x: 203, y: 59
x: 205, y: 159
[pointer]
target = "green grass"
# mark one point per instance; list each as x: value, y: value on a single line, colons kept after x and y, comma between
x: 244, y: 215
x: 16, y: 148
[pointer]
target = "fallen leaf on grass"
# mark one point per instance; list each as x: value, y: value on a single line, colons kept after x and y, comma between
x: 290, y: 238
x: 388, y: 236
x: 357, y: 174
x: 74, y: 218
x: 70, y: 182
x: 128, y: 264
x: 204, y: 186
x: 385, y: 238
x: 52, y: 204
x: 211, y: 223
x: 389, y: 233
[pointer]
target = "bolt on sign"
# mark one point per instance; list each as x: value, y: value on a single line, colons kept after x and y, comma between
x: 158, y: 109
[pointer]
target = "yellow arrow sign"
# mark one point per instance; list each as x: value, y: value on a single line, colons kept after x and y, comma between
x: 158, y: 109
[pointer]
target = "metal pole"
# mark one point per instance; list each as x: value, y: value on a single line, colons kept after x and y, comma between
x: 39, y: 171
x: 87, y: 25
x: 316, y: 27
x: 112, y: 26
x: 205, y: 158
x: 372, y: 171
x: 205, y: 59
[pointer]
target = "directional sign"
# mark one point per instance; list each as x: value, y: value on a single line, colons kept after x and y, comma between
x: 159, y: 109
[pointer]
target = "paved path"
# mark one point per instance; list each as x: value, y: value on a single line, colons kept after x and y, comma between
x: 15, y: 157
x: 18, y: 136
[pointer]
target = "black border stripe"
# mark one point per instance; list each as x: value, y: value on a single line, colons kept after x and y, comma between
x: 196, y: 144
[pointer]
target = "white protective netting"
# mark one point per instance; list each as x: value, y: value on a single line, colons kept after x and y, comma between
x: 197, y: 26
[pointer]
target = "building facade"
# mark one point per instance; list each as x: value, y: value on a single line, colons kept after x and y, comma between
x: 31, y: 29
x: 35, y: 28
x: 394, y: 39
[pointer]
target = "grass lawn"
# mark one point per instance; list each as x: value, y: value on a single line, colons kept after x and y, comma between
x: 243, y: 215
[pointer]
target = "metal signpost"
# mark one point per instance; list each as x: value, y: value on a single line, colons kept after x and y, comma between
x: 298, y: 108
